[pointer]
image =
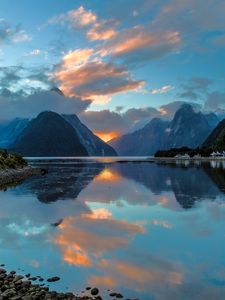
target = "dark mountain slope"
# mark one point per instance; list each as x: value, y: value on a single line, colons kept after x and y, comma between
x: 49, y: 135
x: 216, y: 139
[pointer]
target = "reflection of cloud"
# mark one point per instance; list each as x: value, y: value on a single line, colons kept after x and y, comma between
x: 98, y: 213
x: 26, y: 229
x: 122, y: 273
x: 92, y: 234
x: 162, y: 223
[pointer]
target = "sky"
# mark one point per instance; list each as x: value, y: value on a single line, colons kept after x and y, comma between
x: 118, y: 63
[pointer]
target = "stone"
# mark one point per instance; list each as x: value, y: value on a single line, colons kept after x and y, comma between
x: 94, y: 291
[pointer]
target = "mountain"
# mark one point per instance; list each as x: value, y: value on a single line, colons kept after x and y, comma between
x: 9, y: 131
x: 145, y: 141
x: 93, y: 144
x: 216, y: 139
x: 188, y: 128
x: 49, y: 135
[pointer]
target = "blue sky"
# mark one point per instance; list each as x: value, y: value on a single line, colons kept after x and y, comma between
x: 110, y: 58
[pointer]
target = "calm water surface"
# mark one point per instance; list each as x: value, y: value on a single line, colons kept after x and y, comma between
x: 147, y: 230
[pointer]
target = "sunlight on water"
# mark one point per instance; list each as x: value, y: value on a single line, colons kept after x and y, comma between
x: 147, y: 230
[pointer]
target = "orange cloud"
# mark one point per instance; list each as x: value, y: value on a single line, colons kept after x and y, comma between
x: 77, y: 57
x: 98, y: 213
x: 102, y: 30
x: 107, y: 136
x: 139, y: 38
x: 120, y: 273
x: 103, y: 281
x: 93, y: 80
x: 80, y: 239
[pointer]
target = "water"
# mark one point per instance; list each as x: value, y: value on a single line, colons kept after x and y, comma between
x: 147, y: 230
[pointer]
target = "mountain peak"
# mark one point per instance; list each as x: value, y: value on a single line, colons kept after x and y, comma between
x: 49, y: 135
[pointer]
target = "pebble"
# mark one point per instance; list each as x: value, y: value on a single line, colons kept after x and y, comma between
x: 53, y: 279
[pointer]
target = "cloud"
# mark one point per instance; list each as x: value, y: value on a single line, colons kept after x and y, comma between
x: 162, y: 90
x: 81, y: 17
x: 215, y: 100
x: 77, y: 18
x: 81, y: 75
x: 195, y: 88
x: 162, y: 223
x: 30, y: 106
x: 21, y: 36
x: 118, y: 122
x: 192, y: 18
x: 102, y: 30
x: 12, y: 34
x: 201, y: 89
x: 137, y: 44
x: 34, y: 52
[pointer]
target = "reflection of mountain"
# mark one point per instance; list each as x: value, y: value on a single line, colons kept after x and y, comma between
x: 217, y: 175
x: 63, y: 181
x: 189, y: 184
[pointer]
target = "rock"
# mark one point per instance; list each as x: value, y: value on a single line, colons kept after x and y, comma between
x: 53, y: 279
x: 94, y: 291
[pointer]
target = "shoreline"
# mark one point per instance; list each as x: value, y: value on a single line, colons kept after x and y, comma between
x: 19, y: 287
x: 14, y: 176
x: 200, y: 159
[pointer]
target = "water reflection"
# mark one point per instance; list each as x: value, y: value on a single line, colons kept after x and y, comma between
x: 150, y: 231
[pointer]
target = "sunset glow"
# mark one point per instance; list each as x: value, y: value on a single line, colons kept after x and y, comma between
x: 107, y: 136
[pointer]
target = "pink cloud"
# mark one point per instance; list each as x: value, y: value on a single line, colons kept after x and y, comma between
x: 79, y: 75
x: 138, y: 38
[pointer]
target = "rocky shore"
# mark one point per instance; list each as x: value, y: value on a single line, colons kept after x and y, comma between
x: 22, y: 287
x: 18, y: 287
x: 13, y: 176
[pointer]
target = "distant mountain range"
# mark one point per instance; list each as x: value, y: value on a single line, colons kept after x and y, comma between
x: 145, y: 141
x: 51, y: 134
x: 188, y: 128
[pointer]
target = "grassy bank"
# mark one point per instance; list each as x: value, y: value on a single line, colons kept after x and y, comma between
x: 11, y: 161
x: 14, y: 169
